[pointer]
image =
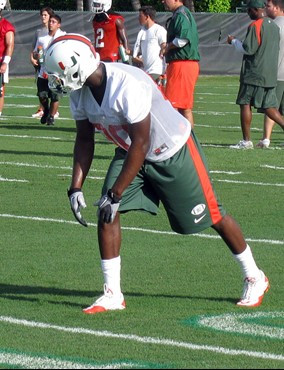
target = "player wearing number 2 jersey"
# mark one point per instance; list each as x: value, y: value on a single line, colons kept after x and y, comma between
x: 109, y: 31
x: 158, y: 159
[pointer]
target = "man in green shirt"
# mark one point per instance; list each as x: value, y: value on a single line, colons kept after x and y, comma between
x: 182, y: 56
x: 258, y: 77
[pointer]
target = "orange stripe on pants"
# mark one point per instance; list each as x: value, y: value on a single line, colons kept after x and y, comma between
x: 201, y: 170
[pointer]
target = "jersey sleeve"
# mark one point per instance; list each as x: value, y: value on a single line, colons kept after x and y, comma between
x: 162, y: 36
x: 183, y: 27
x: 136, y: 48
x: 253, y: 38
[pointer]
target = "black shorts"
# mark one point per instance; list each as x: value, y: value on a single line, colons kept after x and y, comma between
x: 43, y: 91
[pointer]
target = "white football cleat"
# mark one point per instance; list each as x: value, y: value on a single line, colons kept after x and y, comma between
x: 38, y: 113
x: 56, y: 115
x: 263, y: 143
x: 254, y: 290
x: 243, y: 144
x: 107, y: 302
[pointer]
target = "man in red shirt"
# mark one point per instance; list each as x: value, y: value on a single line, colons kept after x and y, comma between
x: 7, y: 41
x: 109, y: 32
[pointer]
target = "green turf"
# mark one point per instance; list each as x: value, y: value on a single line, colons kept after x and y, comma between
x: 50, y: 266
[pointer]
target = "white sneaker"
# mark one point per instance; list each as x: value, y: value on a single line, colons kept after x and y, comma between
x: 254, y: 291
x: 56, y: 115
x: 243, y: 144
x: 38, y: 114
x: 106, y: 303
x: 263, y: 143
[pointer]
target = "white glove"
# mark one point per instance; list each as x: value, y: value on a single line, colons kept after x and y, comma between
x: 77, y: 202
x: 108, y: 207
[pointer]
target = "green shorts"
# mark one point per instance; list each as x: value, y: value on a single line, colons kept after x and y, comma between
x: 256, y: 96
x: 280, y: 96
x: 181, y: 183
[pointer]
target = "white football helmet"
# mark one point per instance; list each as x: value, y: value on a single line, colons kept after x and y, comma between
x: 101, y: 6
x: 69, y: 61
x: 2, y: 4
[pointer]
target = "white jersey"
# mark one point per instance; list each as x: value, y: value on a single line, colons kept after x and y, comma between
x: 280, y: 23
x: 45, y: 41
x: 149, y: 42
x: 129, y: 97
x: 40, y: 32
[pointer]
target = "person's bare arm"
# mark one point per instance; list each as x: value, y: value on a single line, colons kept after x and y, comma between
x: 83, y: 153
x: 122, y: 35
x: 140, y: 140
x: 9, y: 42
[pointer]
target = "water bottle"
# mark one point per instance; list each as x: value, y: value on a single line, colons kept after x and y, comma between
x: 40, y: 54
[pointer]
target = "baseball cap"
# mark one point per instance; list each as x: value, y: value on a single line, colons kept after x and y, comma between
x: 256, y: 4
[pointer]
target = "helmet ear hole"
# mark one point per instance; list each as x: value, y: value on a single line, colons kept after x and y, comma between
x: 76, y: 75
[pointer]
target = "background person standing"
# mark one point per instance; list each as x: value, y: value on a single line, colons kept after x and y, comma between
x: 258, y: 77
x: 109, y: 32
x: 275, y: 10
x: 183, y: 57
x: 7, y: 43
x: 44, y: 93
x: 45, y: 14
x: 151, y: 41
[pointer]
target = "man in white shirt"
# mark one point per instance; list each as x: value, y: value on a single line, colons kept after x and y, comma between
x: 158, y: 159
x: 44, y: 93
x: 151, y: 42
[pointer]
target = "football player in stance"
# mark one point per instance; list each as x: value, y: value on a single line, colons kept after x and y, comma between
x: 7, y: 43
x: 158, y: 159
x: 109, y: 32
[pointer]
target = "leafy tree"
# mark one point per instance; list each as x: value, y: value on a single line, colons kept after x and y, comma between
x: 219, y: 6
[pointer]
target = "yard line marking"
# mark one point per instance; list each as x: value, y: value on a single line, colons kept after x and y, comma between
x: 2, y: 179
x: 143, y: 340
x: 244, y: 324
x: 18, y: 164
x: 34, y: 137
x: 200, y: 235
x: 41, y: 362
x: 250, y: 183
x: 89, y: 177
x: 272, y: 167
x: 226, y: 172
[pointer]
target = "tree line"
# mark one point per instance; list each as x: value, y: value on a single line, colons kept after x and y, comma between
x: 213, y: 6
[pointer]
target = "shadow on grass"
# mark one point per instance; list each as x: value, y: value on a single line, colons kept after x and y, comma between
x: 21, y: 292
x: 48, y: 154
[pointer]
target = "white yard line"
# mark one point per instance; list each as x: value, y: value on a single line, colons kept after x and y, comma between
x: 249, y: 183
x: 143, y: 340
x: 2, y: 179
x: 272, y: 167
x: 199, y: 235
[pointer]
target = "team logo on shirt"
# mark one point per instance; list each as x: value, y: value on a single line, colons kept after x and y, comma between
x: 161, y: 149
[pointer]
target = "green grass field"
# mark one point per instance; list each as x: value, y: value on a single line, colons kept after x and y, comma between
x: 180, y: 291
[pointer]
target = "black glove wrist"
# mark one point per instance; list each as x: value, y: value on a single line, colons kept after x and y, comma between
x: 113, y: 197
x: 72, y: 191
